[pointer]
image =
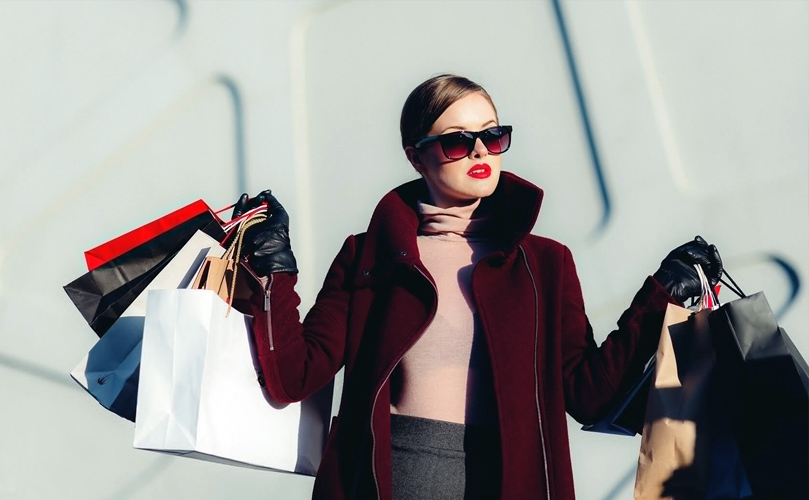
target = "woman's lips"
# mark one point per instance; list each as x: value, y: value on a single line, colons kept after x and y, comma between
x: 480, y: 171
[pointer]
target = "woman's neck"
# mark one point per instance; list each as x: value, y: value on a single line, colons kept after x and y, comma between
x: 455, y: 222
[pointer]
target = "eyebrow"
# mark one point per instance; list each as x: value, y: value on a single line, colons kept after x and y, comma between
x: 455, y: 127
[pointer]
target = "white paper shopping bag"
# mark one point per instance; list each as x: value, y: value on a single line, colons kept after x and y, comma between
x: 109, y: 372
x: 199, y: 395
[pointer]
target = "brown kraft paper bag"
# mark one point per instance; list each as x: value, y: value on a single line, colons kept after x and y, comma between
x: 234, y: 282
x: 675, y: 445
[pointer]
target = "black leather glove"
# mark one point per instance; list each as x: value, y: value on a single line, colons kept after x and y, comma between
x: 677, y: 273
x: 267, y: 245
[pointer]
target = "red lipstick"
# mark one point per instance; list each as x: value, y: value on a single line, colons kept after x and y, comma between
x: 480, y: 171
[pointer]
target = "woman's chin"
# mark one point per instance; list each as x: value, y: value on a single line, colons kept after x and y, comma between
x: 484, y: 188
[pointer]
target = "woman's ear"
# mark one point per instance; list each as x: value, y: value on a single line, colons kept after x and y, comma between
x: 414, y: 157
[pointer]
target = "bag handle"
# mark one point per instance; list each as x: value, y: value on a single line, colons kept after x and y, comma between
x: 707, y: 299
x: 261, y: 209
x: 707, y: 290
x: 231, y: 257
x: 229, y: 226
x: 233, y: 252
x: 223, y: 209
x: 737, y: 290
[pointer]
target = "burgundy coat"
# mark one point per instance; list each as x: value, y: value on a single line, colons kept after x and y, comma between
x: 378, y: 298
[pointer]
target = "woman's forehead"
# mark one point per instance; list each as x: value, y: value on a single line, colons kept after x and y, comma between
x: 471, y: 112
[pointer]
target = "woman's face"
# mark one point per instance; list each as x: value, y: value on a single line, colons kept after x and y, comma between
x: 464, y: 181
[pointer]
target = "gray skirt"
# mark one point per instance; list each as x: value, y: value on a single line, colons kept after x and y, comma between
x: 434, y: 459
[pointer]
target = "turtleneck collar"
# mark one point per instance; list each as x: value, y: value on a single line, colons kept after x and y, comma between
x: 463, y: 223
x: 391, y: 235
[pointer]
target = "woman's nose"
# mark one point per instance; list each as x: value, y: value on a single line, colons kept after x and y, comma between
x: 479, y: 150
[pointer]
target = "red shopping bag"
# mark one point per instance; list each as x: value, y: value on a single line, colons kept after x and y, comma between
x: 106, y: 252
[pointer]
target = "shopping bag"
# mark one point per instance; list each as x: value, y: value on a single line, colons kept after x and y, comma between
x: 228, y: 275
x: 104, y: 293
x: 764, y: 383
x: 100, y: 255
x: 625, y: 417
x: 675, y: 451
x: 199, y: 396
x: 670, y: 464
x: 109, y: 372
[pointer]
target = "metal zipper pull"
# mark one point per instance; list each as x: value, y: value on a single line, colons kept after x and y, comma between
x: 267, y: 283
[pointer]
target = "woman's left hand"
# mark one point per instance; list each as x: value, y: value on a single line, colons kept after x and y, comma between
x: 678, y: 275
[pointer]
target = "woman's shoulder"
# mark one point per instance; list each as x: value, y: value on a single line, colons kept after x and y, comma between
x: 549, y: 254
x: 544, y: 246
x: 352, y: 246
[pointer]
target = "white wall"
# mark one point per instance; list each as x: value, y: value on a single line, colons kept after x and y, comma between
x: 113, y: 113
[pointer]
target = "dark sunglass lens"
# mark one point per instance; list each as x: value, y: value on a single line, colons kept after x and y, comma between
x: 496, y: 139
x: 456, y: 145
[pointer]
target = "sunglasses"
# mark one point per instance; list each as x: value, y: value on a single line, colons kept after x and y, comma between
x: 457, y: 145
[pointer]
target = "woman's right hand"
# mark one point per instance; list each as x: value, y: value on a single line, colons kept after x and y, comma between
x: 267, y: 245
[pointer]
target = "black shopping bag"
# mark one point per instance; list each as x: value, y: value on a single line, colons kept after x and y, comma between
x: 102, y: 294
x: 765, y: 384
x: 625, y: 417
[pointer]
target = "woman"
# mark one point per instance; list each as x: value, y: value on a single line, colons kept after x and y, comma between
x: 464, y: 337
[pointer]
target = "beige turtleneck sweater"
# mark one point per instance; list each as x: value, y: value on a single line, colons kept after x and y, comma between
x: 446, y: 374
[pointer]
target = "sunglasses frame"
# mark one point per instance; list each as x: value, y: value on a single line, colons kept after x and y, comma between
x: 425, y: 141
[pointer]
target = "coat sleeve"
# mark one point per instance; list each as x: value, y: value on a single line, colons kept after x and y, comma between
x: 593, y: 375
x: 298, y: 358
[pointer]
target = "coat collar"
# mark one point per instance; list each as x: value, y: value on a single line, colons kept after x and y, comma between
x: 394, y: 224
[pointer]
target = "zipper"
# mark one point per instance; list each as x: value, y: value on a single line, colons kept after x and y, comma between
x: 268, y: 310
x: 536, y: 372
x: 387, y: 376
